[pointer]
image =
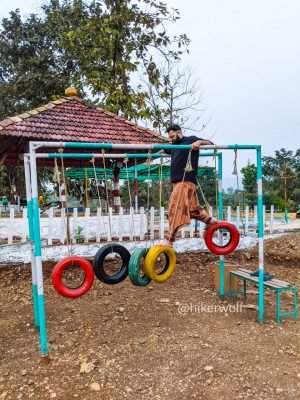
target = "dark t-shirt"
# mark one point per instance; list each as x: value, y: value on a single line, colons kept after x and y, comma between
x: 179, y: 159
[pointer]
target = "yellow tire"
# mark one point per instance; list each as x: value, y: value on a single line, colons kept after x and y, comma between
x: 150, y: 262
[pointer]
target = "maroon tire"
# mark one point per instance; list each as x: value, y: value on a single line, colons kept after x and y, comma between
x: 230, y: 246
x: 59, y: 269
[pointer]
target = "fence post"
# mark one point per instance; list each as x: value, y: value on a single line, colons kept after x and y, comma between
x: 75, y: 222
x: 109, y: 236
x: 24, y: 225
x: 162, y: 223
x: 10, y: 226
x: 50, y: 226
x: 121, y: 224
x: 131, y: 223
x: 62, y: 225
x: 152, y: 223
x: 255, y: 218
x: 142, y: 222
x: 247, y: 219
x: 229, y: 213
x: 237, y: 217
x: 192, y: 228
x: 271, y: 218
x: 86, y: 225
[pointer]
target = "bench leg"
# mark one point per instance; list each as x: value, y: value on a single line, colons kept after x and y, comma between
x: 278, y: 307
x: 295, y: 303
x: 245, y: 290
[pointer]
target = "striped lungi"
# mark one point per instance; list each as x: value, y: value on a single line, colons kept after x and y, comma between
x: 184, y: 206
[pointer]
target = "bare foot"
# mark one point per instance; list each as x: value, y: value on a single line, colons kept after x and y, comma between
x: 165, y: 243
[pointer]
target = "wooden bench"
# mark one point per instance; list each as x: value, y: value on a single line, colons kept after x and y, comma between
x: 274, y: 284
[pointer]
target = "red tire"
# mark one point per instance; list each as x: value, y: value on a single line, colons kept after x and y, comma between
x: 59, y: 269
x: 230, y: 246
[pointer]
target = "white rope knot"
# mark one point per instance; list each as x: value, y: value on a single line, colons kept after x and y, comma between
x: 188, y: 167
x: 55, y: 178
x: 149, y: 159
x: 235, y: 172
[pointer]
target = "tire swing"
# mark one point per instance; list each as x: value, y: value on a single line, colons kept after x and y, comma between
x: 227, y: 248
x: 59, y: 269
x: 140, y: 253
x: 70, y: 261
x: 134, y: 268
x: 100, y: 269
x: 150, y: 261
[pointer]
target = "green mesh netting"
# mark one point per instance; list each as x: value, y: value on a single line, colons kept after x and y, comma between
x: 156, y: 172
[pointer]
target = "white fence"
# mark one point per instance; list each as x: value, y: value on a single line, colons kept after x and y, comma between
x: 128, y: 225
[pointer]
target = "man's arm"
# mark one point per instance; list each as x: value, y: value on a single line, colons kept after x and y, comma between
x: 201, y: 142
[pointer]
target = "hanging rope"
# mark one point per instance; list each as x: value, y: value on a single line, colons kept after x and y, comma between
x: 66, y: 220
x: 148, y: 163
x: 98, y: 192
x: 235, y: 172
x: 129, y: 194
x: 216, y: 179
x: 106, y: 192
x: 160, y: 181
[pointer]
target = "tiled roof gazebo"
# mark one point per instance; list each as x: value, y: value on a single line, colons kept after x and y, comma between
x: 67, y: 119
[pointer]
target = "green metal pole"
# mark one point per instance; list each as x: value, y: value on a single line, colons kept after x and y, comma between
x: 220, y: 217
x: 261, y: 305
x: 38, y: 254
x: 31, y: 238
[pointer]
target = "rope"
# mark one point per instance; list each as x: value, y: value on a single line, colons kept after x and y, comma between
x: 70, y: 249
x: 235, y: 172
x: 160, y: 181
x: 216, y: 179
x: 148, y: 163
x: 98, y: 193
x: 129, y: 194
x: 106, y: 192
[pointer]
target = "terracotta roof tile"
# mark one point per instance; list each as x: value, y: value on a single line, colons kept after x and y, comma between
x: 70, y: 119
x: 6, y: 122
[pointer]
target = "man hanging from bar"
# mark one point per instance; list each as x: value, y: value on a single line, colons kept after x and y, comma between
x: 183, y: 203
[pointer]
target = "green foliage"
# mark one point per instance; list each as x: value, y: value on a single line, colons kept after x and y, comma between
x: 209, y: 188
x: 32, y: 67
x: 282, y: 177
x: 78, y: 234
x: 281, y: 180
x: 249, y: 182
x: 110, y: 41
x: 14, y: 175
x: 99, y: 46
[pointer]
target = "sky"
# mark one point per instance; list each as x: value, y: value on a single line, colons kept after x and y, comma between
x: 246, y: 55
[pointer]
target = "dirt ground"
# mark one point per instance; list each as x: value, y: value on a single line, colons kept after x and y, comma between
x: 162, y: 341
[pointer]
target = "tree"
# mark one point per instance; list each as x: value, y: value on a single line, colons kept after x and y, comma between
x: 32, y: 67
x: 249, y: 182
x: 110, y: 42
x: 282, y: 177
x: 175, y: 99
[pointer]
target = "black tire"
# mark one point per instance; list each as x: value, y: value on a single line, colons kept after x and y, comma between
x: 98, y: 263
